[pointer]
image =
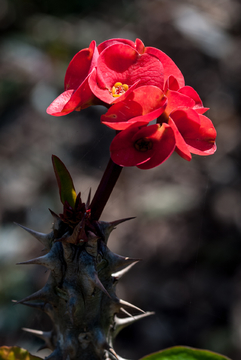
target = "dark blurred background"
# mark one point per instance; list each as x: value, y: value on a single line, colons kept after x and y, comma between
x: 188, y: 225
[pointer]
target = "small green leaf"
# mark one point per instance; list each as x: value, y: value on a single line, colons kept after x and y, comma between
x: 65, y: 182
x: 15, y: 353
x: 184, y: 353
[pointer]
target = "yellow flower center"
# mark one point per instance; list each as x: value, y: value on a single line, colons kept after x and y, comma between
x: 118, y: 89
x: 143, y: 145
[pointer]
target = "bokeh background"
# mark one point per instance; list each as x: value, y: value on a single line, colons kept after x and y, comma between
x: 188, y: 214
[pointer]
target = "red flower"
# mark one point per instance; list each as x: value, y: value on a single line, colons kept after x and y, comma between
x: 148, y: 146
x: 109, y: 72
x: 143, y: 146
x: 121, y: 66
x: 181, y: 123
x: 141, y: 84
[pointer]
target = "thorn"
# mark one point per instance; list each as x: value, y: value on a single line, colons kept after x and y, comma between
x: 38, y: 295
x: 39, y: 306
x: 122, y: 323
x: 96, y: 281
x: 113, y: 353
x: 57, y: 220
x: 107, y: 227
x: 125, y: 303
x: 45, y: 260
x: 87, y: 204
x: 46, y: 336
x: 118, y: 262
x: 125, y: 312
x: 117, y: 222
x: 108, y: 348
x: 121, y: 358
x: 38, y: 333
x: 55, y: 216
x: 122, y: 272
x: 45, y: 239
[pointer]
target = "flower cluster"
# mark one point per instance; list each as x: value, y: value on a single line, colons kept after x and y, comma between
x: 138, y: 84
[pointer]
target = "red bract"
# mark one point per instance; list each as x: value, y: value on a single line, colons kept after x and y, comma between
x: 143, y: 146
x: 77, y: 94
x: 119, y: 68
x: 144, y: 104
x: 172, y: 86
x: 110, y: 42
x: 170, y: 68
x: 194, y: 133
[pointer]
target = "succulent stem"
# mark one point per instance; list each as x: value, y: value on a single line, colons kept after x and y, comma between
x: 104, y: 190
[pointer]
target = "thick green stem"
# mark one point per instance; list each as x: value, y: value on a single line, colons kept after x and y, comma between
x: 102, y: 194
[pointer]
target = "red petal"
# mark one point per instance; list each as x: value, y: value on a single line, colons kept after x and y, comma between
x: 199, y: 134
x: 189, y: 91
x: 145, y: 103
x: 101, y: 93
x: 181, y: 146
x: 71, y: 100
x: 113, y: 65
x: 122, y: 148
x: 186, y: 120
x: 124, y: 125
x: 57, y: 106
x: 118, y: 115
x: 201, y: 110
x: 163, y: 144
x: 80, y: 66
x: 170, y: 68
x: 81, y: 98
x: 177, y: 100
x: 106, y: 95
x: 122, y: 63
x: 171, y: 84
x: 188, y: 124
x: 110, y: 42
x: 124, y: 153
x: 140, y: 47
x: 204, y: 142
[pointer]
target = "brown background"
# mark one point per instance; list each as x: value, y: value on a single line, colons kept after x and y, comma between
x: 188, y: 214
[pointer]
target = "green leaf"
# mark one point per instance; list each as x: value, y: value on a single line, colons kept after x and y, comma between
x: 15, y: 353
x: 65, y: 182
x: 184, y: 353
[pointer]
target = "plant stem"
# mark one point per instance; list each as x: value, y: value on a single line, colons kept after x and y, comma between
x: 102, y: 194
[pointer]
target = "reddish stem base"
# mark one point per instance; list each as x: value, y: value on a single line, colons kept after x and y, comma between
x: 104, y: 189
